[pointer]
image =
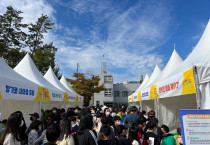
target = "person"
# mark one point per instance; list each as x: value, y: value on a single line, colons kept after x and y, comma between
x: 133, y: 135
x: 33, y: 134
x: 11, y: 134
x: 144, y: 114
x: 85, y: 134
x: 23, y: 128
x: 122, y: 114
x: 150, y: 133
x: 142, y: 130
x: 52, y: 134
x: 108, y: 116
x: 105, y: 133
x: 74, y: 126
x: 65, y: 137
x: 168, y: 139
x: 132, y: 117
x: 116, y: 123
x: 151, y: 114
x: 104, y: 121
x: 122, y: 136
x: 34, y: 117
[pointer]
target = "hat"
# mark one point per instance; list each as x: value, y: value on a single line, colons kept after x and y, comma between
x: 132, y: 108
x: 151, y: 113
x: 35, y: 115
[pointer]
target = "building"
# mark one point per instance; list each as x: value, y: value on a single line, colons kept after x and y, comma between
x: 114, y: 94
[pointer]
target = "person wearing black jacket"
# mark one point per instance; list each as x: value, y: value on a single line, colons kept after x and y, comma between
x: 107, y: 115
x: 85, y: 134
x: 122, y: 136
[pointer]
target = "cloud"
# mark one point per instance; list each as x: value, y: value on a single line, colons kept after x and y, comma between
x: 128, y: 33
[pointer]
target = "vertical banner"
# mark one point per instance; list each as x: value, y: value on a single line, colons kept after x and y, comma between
x: 46, y: 95
x: 139, y: 96
x: 77, y: 99
x: 39, y: 94
x: 195, y: 126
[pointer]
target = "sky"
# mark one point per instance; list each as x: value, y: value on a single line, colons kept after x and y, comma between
x: 133, y: 35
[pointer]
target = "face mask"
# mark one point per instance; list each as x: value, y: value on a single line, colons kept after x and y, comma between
x: 118, y: 123
x: 31, y: 118
x: 76, y: 111
x: 54, y: 111
x: 40, y: 128
x: 22, y: 123
x: 107, y: 113
x: 101, y: 111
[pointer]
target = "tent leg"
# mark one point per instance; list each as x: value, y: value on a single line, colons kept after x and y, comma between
x: 140, y: 106
x: 198, y: 94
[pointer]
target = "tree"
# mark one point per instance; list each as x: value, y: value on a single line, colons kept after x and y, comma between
x: 44, y: 57
x: 37, y: 30
x: 11, y: 36
x: 86, y: 86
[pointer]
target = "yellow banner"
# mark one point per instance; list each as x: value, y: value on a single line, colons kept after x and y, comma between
x: 132, y: 99
x: 39, y: 94
x: 139, y: 96
x: 152, y: 96
x: 155, y: 92
x: 65, y: 97
x: 188, y: 82
x: 46, y: 95
x: 77, y: 99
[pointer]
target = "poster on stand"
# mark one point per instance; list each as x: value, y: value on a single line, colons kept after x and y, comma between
x: 195, y: 126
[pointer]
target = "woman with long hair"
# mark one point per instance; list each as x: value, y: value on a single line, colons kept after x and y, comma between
x: 23, y: 128
x: 133, y: 135
x: 85, y: 134
x: 11, y: 134
x: 65, y: 137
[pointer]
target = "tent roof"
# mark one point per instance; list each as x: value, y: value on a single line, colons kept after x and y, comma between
x: 65, y: 83
x: 146, y: 79
x: 9, y: 73
x: 51, y: 77
x: 200, y: 54
x: 27, y: 69
x: 174, y: 62
x: 156, y: 73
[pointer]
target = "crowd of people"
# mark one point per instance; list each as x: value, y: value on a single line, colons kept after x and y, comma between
x: 86, y: 126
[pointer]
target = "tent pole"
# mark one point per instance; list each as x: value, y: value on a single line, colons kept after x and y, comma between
x: 140, y: 105
x: 197, y: 85
x: 155, y: 107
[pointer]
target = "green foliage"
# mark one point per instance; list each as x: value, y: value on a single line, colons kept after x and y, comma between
x: 44, y: 57
x: 11, y: 34
x: 36, y: 32
x: 13, y: 40
x: 86, y: 86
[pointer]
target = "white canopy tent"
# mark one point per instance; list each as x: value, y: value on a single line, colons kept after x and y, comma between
x: 199, y: 61
x: 69, y: 96
x: 65, y: 83
x: 186, y: 87
x: 27, y: 69
x: 17, y: 93
x: 148, y: 105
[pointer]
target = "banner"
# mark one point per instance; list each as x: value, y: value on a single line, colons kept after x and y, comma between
x: 180, y: 84
x: 15, y: 90
x: 195, y: 126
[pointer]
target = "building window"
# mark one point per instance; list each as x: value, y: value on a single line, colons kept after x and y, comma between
x: 125, y: 93
x: 116, y: 94
x: 108, y: 92
x: 108, y: 79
